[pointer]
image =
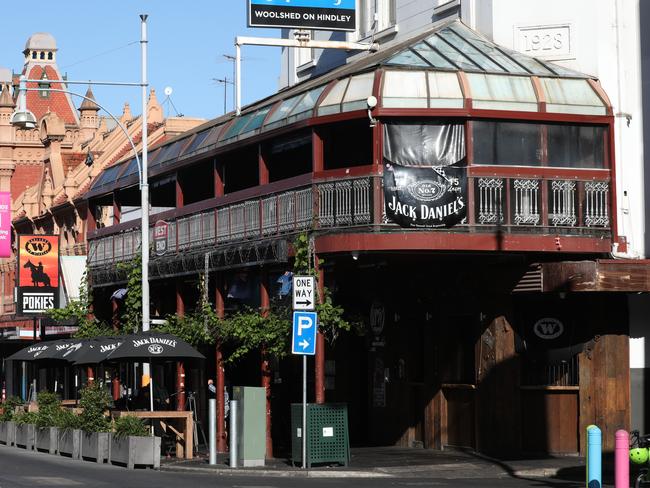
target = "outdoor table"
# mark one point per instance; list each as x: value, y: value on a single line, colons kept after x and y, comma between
x: 184, y: 435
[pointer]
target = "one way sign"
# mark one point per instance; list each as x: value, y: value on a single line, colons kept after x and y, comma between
x: 303, y: 293
x: 305, y: 325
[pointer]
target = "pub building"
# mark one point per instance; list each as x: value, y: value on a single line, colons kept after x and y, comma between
x: 466, y: 214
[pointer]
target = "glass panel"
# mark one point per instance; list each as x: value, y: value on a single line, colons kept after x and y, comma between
x: 452, y: 54
x: 332, y: 101
x: 284, y: 110
x: 130, y: 170
x: 359, y: 90
x: 108, y: 175
x: 489, y: 91
x: 212, y: 138
x: 405, y: 89
x: 196, y: 142
x: 256, y: 121
x: 508, y: 143
x: 488, y: 48
x: 531, y: 64
x: 237, y: 126
x: 569, y: 92
x: 308, y: 101
x: 576, y: 146
x: 444, y: 90
x: 468, y: 50
x: 436, y: 60
x: 170, y: 151
x: 408, y: 58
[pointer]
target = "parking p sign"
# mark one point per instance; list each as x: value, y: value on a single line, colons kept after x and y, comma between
x: 305, y: 326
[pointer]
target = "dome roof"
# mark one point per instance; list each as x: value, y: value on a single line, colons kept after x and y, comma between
x: 41, y: 40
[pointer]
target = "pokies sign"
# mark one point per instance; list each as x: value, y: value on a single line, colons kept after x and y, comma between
x: 5, y: 224
x: 303, y: 14
x: 38, y: 273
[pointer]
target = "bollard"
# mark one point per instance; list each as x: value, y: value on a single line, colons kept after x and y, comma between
x: 594, y: 457
x: 212, y: 425
x: 622, y: 459
x: 234, y: 404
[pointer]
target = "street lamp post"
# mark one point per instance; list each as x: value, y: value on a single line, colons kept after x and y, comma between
x: 24, y: 119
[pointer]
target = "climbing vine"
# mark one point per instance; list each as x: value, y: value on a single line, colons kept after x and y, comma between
x: 131, y: 319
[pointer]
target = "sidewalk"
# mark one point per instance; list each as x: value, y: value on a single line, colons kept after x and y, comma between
x: 395, y: 462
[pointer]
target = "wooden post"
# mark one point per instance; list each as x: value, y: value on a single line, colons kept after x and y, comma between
x: 222, y: 444
x: 117, y: 389
x: 180, y: 367
x: 319, y: 369
x: 90, y: 374
x: 266, y: 366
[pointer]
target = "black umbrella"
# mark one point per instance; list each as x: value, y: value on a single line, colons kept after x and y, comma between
x: 148, y: 346
x: 96, y: 350
x: 52, y: 350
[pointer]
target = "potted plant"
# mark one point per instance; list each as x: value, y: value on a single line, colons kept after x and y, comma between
x: 94, y: 423
x: 133, y: 445
x: 7, y: 424
x: 25, y: 427
x: 47, y: 420
x: 69, y: 440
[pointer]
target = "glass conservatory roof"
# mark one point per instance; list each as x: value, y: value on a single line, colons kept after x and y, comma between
x: 443, y: 68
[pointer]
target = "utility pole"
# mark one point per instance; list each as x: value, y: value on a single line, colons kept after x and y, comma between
x: 225, y: 82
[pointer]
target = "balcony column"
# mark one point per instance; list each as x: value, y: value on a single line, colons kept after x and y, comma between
x: 222, y: 441
x: 378, y: 163
x: 317, y: 152
x: 265, y: 303
x: 319, y: 369
x: 179, y: 193
x: 117, y: 209
x: 91, y: 223
x: 180, y: 366
x: 263, y: 167
x: 218, y: 179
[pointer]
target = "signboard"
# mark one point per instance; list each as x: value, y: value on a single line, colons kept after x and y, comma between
x: 5, y: 224
x: 160, y: 233
x: 303, y: 14
x: 304, y: 293
x: 305, y: 326
x: 38, y: 274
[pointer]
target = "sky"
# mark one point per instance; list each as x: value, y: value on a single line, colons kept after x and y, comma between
x: 99, y: 40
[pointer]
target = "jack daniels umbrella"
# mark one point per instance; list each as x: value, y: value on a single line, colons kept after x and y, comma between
x: 58, y: 350
x: 148, y: 346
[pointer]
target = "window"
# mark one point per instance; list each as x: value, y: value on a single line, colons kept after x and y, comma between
x: 44, y: 92
x: 521, y: 144
x: 50, y: 56
x: 375, y: 16
x: 42, y: 55
x: 508, y: 143
x: 34, y: 55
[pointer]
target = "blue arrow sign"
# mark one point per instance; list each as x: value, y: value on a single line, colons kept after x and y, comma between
x: 305, y: 326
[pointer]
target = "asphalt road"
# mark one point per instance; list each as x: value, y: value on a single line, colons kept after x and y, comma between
x: 19, y: 469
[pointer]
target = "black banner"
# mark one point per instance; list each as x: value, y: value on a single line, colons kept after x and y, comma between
x: 301, y: 17
x: 425, y: 197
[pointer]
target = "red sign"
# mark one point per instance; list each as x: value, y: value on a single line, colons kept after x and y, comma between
x: 38, y: 273
x: 160, y: 233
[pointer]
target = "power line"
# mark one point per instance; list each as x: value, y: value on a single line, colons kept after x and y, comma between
x: 99, y: 54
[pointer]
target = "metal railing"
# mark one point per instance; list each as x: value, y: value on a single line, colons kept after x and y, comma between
x: 524, y: 203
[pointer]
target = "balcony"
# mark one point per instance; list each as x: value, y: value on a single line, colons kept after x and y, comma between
x: 562, y: 202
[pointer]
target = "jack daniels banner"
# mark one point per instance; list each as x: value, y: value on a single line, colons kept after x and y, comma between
x: 425, y: 174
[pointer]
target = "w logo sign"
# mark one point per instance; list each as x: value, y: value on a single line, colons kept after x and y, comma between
x: 38, y: 246
x: 548, y: 328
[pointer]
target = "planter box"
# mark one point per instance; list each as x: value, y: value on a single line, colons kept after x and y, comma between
x: 25, y: 434
x: 95, y: 446
x: 70, y: 443
x: 47, y: 439
x: 136, y: 451
x: 7, y: 433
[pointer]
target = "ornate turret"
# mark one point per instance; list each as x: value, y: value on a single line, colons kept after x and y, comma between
x: 89, y: 121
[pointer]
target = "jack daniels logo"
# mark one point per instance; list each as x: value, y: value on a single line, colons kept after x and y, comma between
x: 425, y: 196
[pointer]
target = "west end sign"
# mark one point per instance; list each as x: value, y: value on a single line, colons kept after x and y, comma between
x: 303, y: 14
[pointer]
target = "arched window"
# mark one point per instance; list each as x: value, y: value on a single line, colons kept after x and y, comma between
x: 43, y: 85
x: 50, y: 56
x: 33, y: 54
x: 42, y: 55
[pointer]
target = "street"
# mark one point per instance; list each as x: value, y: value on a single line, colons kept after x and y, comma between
x: 20, y: 468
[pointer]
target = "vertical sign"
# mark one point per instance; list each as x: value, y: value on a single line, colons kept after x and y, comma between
x: 303, y: 14
x: 160, y: 233
x: 304, y: 288
x: 38, y: 273
x: 305, y: 326
x: 5, y: 224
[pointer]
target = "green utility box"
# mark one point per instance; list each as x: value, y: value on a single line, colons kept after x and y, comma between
x: 328, y: 440
x: 251, y: 425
